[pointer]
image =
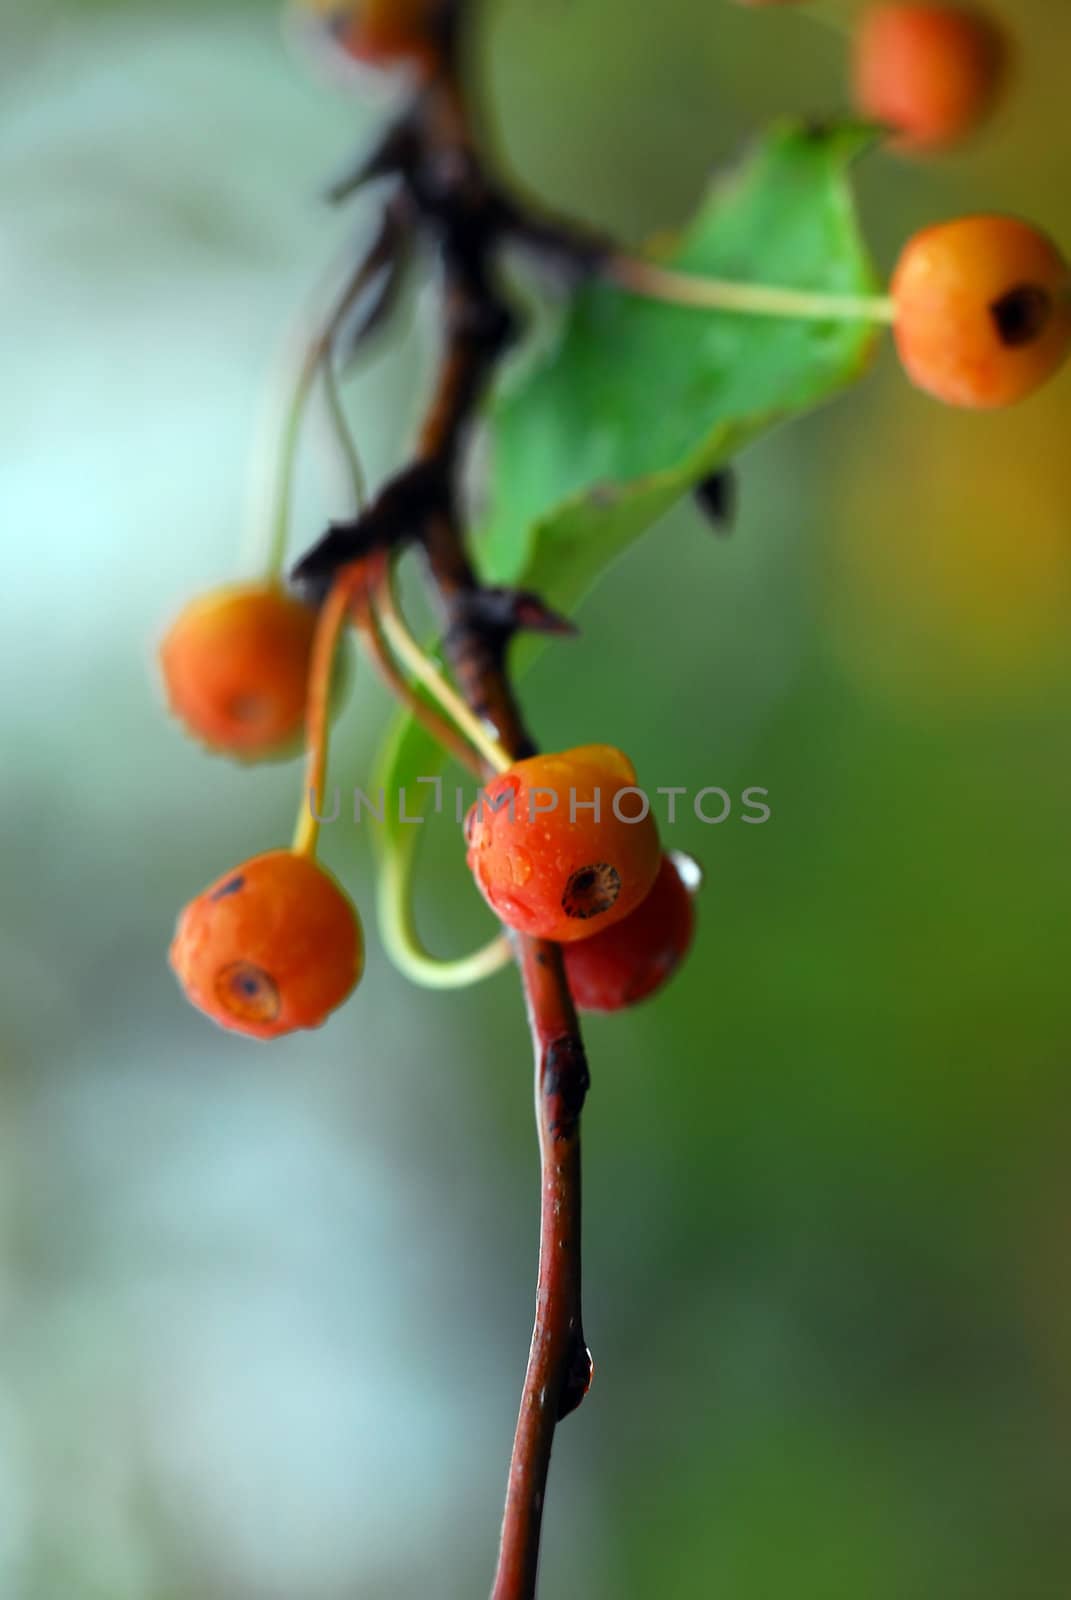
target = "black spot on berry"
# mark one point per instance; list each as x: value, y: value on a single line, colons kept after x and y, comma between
x: 1022, y: 315
x: 591, y: 890
x: 248, y: 992
x: 232, y: 886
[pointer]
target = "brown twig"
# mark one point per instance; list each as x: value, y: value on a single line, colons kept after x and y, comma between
x: 449, y: 198
x: 559, y: 1366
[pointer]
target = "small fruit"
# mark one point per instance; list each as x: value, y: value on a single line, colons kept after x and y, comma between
x: 562, y: 846
x: 273, y: 946
x: 235, y: 665
x: 624, y: 964
x: 931, y: 72
x: 982, y: 310
x: 384, y: 32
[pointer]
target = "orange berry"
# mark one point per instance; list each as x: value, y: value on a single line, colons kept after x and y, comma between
x: 235, y: 664
x: 550, y: 865
x: 931, y: 72
x: 624, y: 964
x: 983, y: 310
x: 384, y: 32
x: 273, y: 946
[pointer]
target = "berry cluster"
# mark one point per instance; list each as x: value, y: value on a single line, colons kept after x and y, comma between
x: 562, y: 846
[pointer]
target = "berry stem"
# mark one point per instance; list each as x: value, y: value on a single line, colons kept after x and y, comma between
x: 397, y: 927
x: 442, y: 730
x: 283, y: 497
x: 342, y: 434
x: 383, y: 628
x: 311, y: 360
x: 397, y: 924
x: 420, y: 664
x: 753, y: 299
x: 329, y: 629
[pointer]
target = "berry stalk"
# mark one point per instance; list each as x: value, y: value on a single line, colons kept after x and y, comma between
x: 653, y: 282
x: 312, y: 360
x: 409, y: 652
x: 329, y: 630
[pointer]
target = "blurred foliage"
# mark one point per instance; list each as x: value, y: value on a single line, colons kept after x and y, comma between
x: 264, y: 1313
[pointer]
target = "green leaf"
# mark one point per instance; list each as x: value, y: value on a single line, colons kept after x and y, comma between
x: 637, y: 401
x: 634, y: 402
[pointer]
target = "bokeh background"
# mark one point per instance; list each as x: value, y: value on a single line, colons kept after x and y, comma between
x: 264, y: 1312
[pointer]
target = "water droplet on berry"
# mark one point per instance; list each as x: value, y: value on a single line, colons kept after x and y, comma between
x: 688, y: 870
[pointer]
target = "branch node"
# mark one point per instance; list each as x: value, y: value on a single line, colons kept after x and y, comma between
x: 564, y: 1084
x: 578, y: 1376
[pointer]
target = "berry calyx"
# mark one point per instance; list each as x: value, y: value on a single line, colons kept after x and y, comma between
x: 632, y: 960
x: 235, y: 664
x: 982, y: 310
x: 562, y: 846
x: 271, y: 947
x: 931, y: 72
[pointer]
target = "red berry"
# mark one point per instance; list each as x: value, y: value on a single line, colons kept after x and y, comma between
x: 624, y: 964
x: 235, y: 665
x: 983, y: 310
x: 546, y: 863
x: 273, y: 946
x: 931, y: 72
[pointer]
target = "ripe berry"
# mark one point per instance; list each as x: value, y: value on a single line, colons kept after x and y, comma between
x: 624, y: 964
x: 983, y: 310
x: 272, y: 946
x: 235, y: 665
x: 931, y: 72
x: 548, y: 863
x: 384, y: 32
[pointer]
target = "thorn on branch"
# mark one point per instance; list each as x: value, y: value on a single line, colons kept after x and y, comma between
x: 716, y: 497
x: 395, y: 518
x: 392, y: 156
x: 499, y: 612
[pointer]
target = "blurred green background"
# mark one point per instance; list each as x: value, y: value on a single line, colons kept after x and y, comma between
x: 264, y: 1312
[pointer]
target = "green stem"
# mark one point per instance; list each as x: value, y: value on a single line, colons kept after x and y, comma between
x: 341, y: 436
x: 283, y: 496
x: 420, y: 664
x: 402, y: 943
x: 312, y: 360
x: 755, y: 299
